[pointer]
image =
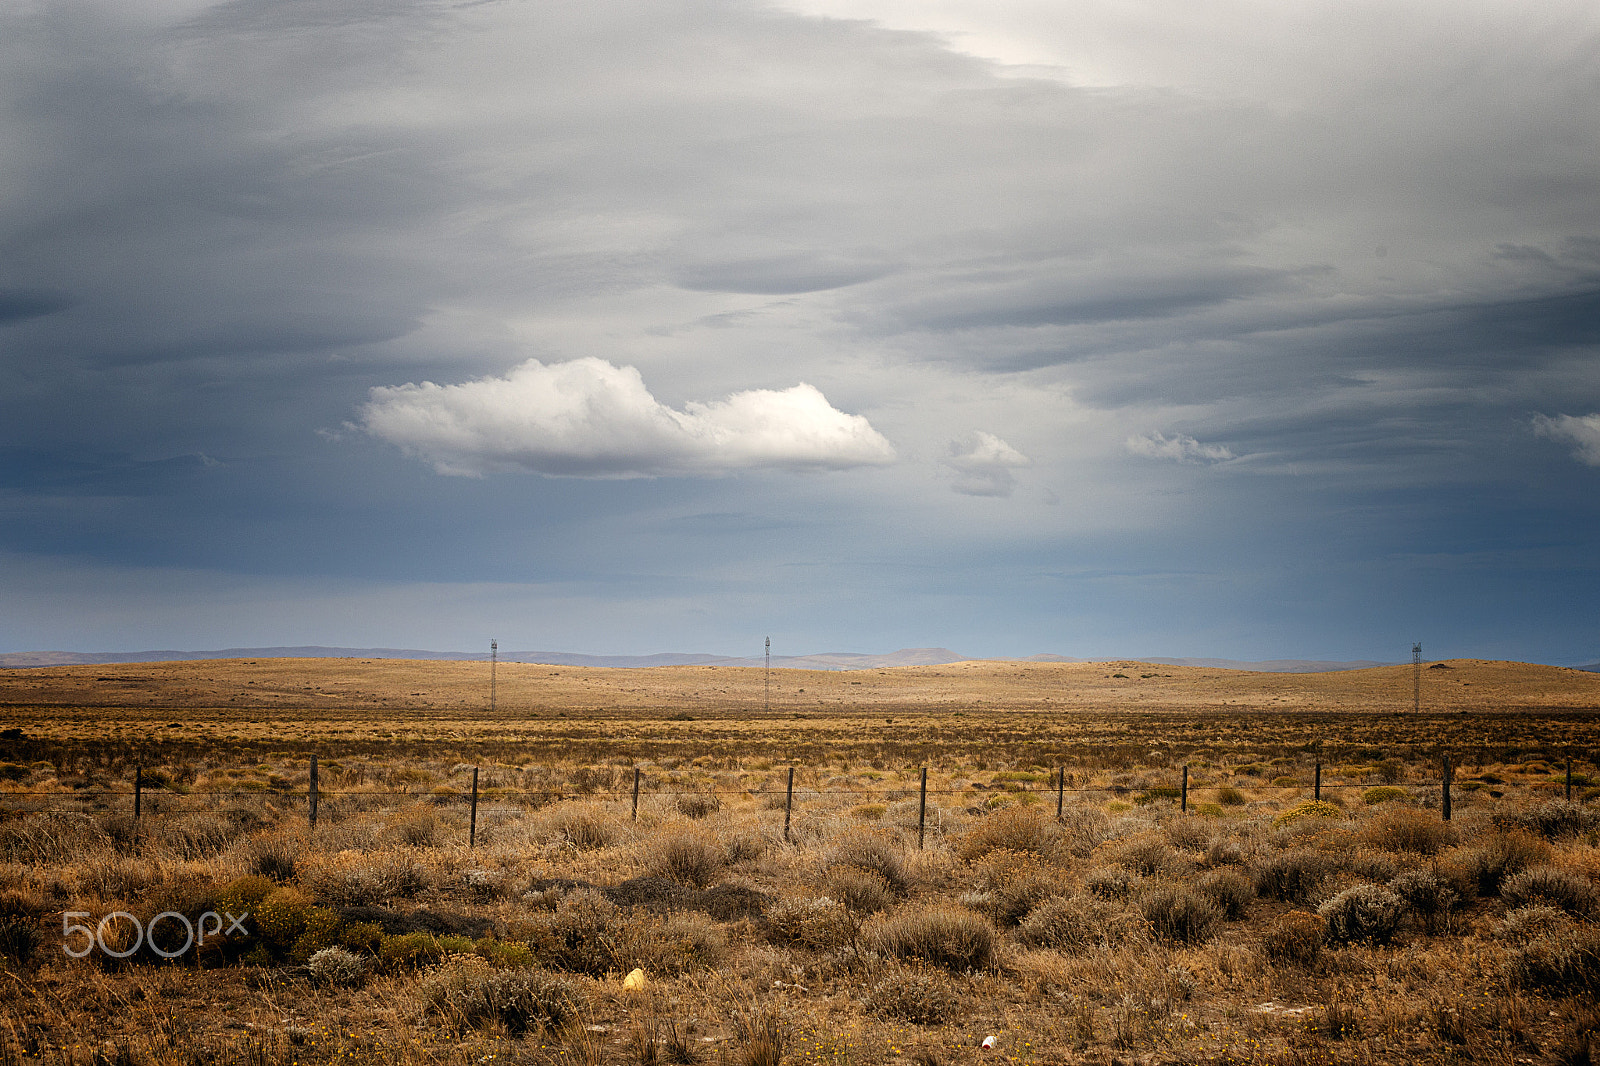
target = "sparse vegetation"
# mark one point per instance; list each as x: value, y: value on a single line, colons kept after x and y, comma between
x: 1126, y: 930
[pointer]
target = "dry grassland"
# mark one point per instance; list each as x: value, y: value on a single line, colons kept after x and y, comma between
x: 1258, y: 927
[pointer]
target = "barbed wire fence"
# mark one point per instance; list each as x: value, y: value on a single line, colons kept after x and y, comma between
x: 162, y: 801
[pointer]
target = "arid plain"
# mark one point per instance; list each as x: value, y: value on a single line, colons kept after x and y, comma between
x: 1303, y: 901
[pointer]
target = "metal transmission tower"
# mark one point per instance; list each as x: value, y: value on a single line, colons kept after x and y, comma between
x: 1416, y: 677
x: 766, y: 680
x: 494, y: 656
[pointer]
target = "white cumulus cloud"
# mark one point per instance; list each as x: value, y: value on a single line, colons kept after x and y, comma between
x: 983, y: 464
x: 588, y: 418
x: 1582, y: 432
x: 1179, y: 448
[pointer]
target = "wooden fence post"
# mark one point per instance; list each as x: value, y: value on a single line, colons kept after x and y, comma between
x: 788, y: 806
x: 636, y: 774
x: 922, y: 809
x: 1446, y: 788
x: 311, y: 810
x: 1569, y: 779
x: 138, y: 797
x: 1317, y: 788
x: 1183, y: 802
x: 1061, y: 790
x: 472, y: 831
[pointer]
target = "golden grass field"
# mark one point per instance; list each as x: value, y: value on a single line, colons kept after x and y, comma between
x: 1256, y: 927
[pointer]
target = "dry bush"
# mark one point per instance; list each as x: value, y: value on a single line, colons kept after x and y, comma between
x: 1009, y: 885
x: 1553, y: 820
x: 952, y: 937
x: 1228, y: 796
x: 1407, y: 829
x: 1564, y: 962
x: 1075, y: 924
x: 866, y: 849
x: 862, y: 891
x: 1377, y: 794
x: 1150, y: 856
x: 698, y: 804
x: 1224, y: 851
x: 1525, y: 923
x: 1018, y: 828
x: 1496, y: 856
x: 923, y: 997
x: 747, y: 846
x: 337, y: 967
x: 1229, y: 890
x: 1294, y: 937
x: 1428, y: 896
x: 677, y: 944
x: 1111, y: 882
x: 763, y: 1037
x: 350, y: 878
x: 472, y: 994
x: 1362, y: 913
x: 1293, y: 876
x: 1189, y: 834
x: 1543, y: 884
x: 688, y: 857
x: 416, y: 827
x: 583, y: 934
x: 585, y: 827
x: 816, y: 922
x: 274, y: 855
x: 1180, y: 914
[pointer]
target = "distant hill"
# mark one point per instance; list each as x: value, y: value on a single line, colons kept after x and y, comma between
x: 825, y: 661
x: 1593, y: 668
x: 837, y: 660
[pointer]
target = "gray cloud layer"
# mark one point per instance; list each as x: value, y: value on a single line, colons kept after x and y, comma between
x: 1354, y: 246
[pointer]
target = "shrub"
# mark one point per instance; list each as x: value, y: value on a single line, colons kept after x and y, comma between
x: 583, y: 827
x: 1224, y: 852
x: 1562, y: 963
x: 1553, y: 820
x: 1294, y: 937
x: 584, y: 933
x: 1499, y: 855
x: 273, y: 856
x: 1304, y: 812
x: 20, y: 941
x: 472, y: 994
x: 921, y: 997
x: 678, y: 944
x: 1427, y: 896
x: 1384, y: 794
x: 1229, y: 796
x: 1075, y: 924
x: 1181, y: 914
x: 416, y: 827
x: 1229, y: 890
x: 1408, y: 829
x: 1148, y: 857
x: 1542, y: 884
x: 863, y: 891
x: 1362, y: 913
x: 688, y: 858
x: 698, y: 804
x: 1111, y: 882
x: 415, y: 950
x: 1293, y: 876
x: 1013, y: 829
x: 951, y: 937
x: 869, y: 850
x: 503, y: 954
x: 1525, y: 923
x: 337, y: 968
x: 811, y: 921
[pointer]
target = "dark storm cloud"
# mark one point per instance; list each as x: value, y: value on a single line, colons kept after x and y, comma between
x: 1362, y: 256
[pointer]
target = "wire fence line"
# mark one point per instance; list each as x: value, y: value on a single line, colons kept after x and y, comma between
x: 166, y: 801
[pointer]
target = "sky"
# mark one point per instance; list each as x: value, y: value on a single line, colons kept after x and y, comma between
x: 1231, y: 328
